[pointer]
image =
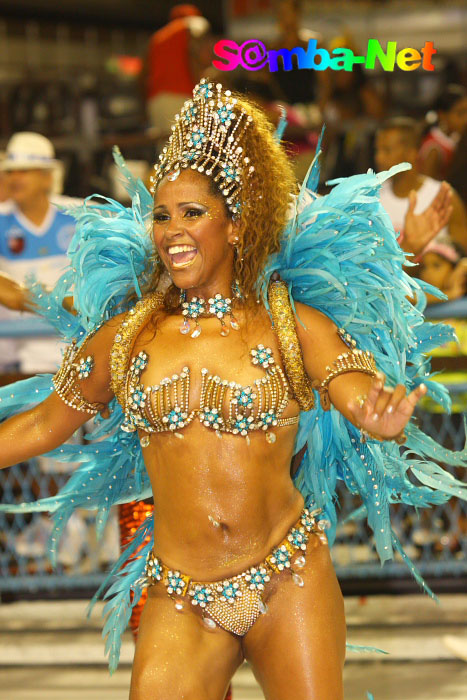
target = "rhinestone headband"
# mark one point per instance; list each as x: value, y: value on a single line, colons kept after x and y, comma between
x: 205, y: 138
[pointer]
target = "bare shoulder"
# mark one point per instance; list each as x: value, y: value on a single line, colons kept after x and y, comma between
x: 98, y: 346
x: 103, y: 339
x: 314, y: 323
x: 319, y: 340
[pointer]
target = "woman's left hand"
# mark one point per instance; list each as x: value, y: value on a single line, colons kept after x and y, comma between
x: 385, y: 412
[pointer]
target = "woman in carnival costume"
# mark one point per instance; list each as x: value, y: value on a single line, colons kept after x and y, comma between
x: 285, y: 330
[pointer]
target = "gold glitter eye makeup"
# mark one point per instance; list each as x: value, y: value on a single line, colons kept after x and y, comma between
x: 161, y: 219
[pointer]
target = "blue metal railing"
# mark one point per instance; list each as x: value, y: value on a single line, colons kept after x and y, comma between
x: 26, y: 328
x: 434, y: 541
x: 447, y: 309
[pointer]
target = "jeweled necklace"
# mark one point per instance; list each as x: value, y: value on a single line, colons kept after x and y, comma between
x: 217, y: 305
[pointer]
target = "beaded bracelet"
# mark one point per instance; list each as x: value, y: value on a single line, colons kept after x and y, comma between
x: 353, y: 361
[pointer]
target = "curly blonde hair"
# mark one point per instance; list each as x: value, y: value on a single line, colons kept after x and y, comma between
x: 265, y: 198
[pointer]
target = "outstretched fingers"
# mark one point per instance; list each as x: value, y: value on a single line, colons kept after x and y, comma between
x: 407, y: 403
x: 385, y: 410
x: 442, y: 203
x: 398, y: 395
x: 365, y: 406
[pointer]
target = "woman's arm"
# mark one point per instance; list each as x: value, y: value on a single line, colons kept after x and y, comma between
x: 38, y: 430
x: 362, y: 399
x: 17, y: 297
x: 49, y: 424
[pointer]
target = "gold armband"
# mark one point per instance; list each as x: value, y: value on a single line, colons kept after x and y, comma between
x: 353, y: 361
x: 289, y: 345
x: 120, y: 352
x: 70, y: 373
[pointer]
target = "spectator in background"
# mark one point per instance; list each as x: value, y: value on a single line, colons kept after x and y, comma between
x: 443, y: 266
x: 350, y: 94
x: 3, y: 190
x: 34, y: 239
x: 352, y: 108
x: 439, y: 145
x: 294, y: 86
x: 177, y: 55
x: 294, y: 93
x: 410, y: 193
x: 457, y: 173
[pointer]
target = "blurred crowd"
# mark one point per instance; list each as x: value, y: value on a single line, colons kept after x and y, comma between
x: 366, y: 127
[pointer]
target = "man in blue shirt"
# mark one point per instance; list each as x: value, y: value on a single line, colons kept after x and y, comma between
x: 34, y: 238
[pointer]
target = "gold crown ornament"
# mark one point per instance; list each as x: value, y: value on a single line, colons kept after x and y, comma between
x: 205, y: 138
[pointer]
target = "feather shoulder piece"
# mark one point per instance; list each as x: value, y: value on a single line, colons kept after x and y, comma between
x: 340, y: 255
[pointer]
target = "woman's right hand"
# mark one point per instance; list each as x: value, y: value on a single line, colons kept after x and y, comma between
x: 12, y: 294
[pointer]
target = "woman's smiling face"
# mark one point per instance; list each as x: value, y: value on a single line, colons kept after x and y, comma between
x: 193, y: 233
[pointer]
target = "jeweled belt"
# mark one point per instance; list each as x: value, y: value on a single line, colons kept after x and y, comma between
x: 235, y: 603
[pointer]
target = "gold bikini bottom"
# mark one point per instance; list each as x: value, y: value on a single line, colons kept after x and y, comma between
x: 236, y: 603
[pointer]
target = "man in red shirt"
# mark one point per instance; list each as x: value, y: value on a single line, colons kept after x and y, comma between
x: 178, y: 54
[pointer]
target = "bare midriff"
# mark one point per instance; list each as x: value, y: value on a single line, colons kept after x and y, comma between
x: 220, y: 503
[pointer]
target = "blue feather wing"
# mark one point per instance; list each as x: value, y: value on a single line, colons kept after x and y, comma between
x: 340, y: 255
x: 109, y: 262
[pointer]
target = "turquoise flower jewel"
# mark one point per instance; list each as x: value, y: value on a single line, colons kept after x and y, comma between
x: 281, y: 557
x: 225, y: 114
x: 197, y: 137
x: 85, y: 367
x: 201, y: 595
x: 190, y: 114
x: 203, y: 90
x: 243, y: 424
x: 138, y: 398
x: 230, y: 591
x: 193, y: 308
x: 267, y: 419
x: 262, y: 356
x: 175, y: 419
x: 140, y: 362
x: 220, y: 305
x: 228, y: 173
x: 154, y: 567
x: 245, y: 397
x: 175, y: 583
x: 211, y: 418
x: 257, y: 578
x: 298, y: 538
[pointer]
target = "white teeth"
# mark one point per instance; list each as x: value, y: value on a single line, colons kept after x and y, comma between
x: 174, y: 249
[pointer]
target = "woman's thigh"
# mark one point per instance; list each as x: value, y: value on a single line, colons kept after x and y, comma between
x: 297, y: 649
x: 177, y: 657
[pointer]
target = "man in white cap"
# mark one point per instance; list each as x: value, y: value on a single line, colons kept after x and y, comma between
x: 34, y: 238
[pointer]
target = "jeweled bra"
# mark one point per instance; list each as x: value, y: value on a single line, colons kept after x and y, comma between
x: 165, y: 406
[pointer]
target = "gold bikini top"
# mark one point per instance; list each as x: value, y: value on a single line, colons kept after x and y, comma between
x: 165, y: 406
